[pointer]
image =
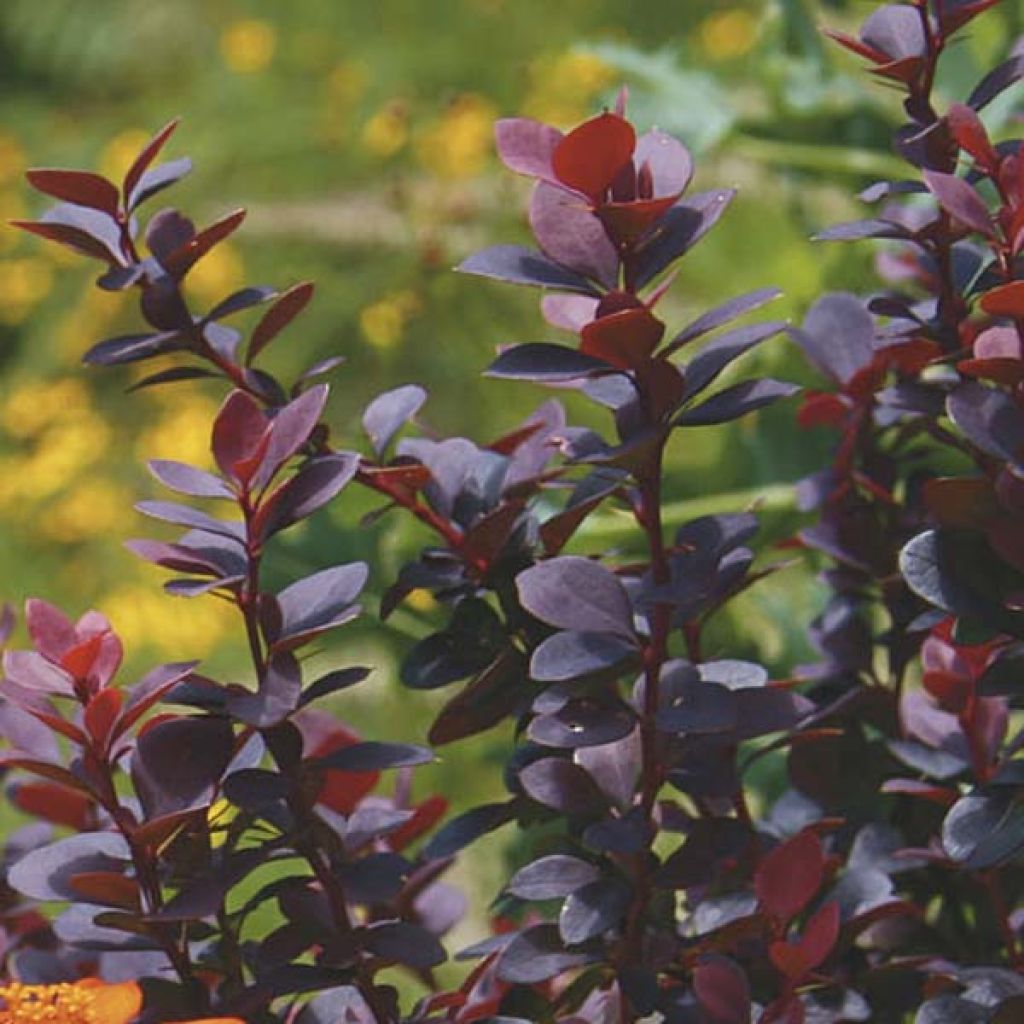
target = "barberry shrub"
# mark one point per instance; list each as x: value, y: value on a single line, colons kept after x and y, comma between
x: 883, y: 884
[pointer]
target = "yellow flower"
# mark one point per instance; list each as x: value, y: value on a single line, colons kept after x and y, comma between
x: 248, y: 45
x: 23, y: 284
x: 12, y: 158
x: 173, y: 626
x: 83, y: 1002
x: 34, y: 405
x: 457, y: 144
x: 383, y: 323
x: 220, y: 272
x: 562, y: 88
x: 182, y: 433
x: 388, y: 130
x: 728, y: 34
x: 92, y: 509
x: 120, y: 153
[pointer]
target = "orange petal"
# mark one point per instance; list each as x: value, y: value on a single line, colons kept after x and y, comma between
x: 114, y: 1004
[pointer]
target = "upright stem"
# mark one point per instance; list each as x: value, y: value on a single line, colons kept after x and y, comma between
x: 307, y: 824
x: 654, y: 657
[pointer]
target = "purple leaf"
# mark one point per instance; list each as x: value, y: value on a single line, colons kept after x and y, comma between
x: 87, y: 232
x: 990, y: 418
x: 895, y: 30
x: 701, y: 708
x: 669, y: 161
x: 182, y: 515
x: 536, y: 955
x: 1000, y: 78
x: 133, y: 348
x: 332, y: 682
x: 768, y: 709
x: 467, y: 827
x: 289, y: 431
x: 315, y: 603
x: 156, y: 179
x: 25, y: 733
x: 571, y: 654
x: 855, y: 230
x: 167, y: 231
x: 582, y: 723
x: 48, y: 873
x: 552, y: 877
x: 678, y: 231
x: 593, y: 910
x: 178, y: 763
x: 571, y: 235
x: 576, y: 593
x: 389, y: 412
x: 736, y: 401
x: 372, y: 756
x: 189, y: 480
x: 404, y: 943
x: 960, y: 200
x: 337, y: 1004
x: 241, y: 300
x: 277, y: 697
x: 527, y: 146
x: 563, y: 786
x: 171, y: 375
x: 720, y: 315
x: 546, y: 363
x: 615, y: 767
x: 718, y: 354
x: 524, y: 266
x: 315, y: 484
x: 837, y: 336
x: 32, y: 671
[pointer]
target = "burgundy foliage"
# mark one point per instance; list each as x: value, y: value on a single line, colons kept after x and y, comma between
x: 884, y: 883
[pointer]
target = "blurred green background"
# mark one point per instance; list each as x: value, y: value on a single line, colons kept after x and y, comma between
x: 359, y: 135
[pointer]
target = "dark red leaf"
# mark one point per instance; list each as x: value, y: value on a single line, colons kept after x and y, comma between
x: 79, y: 187
x: 625, y: 339
x: 1005, y: 300
x: 722, y: 990
x: 149, y: 153
x: 790, y: 875
x: 591, y: 155
x: 284, y: 310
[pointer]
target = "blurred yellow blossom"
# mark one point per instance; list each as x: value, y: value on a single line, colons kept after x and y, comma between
x: 347, y: 81
x: 562, y: 87
x: 220, y: 272
x: 343, y: 87
x: 388, y: 130
x: 248, y: 45
x: 727, y: 35
x: 175, y: 627
x: 458, y: 143
x: 88, y: 321
x: 35, y: 404
x: 24, y: 283
x: 181, y: 433
x: 71, y: 444
x: 421, y: 600
x: 120, y: 152
x: 12, y: 207
x: 12, y: 159
x: 91, y: 509
x: 383, y: 323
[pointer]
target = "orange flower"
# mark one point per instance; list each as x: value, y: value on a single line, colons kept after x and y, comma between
x: 83, y: 1002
